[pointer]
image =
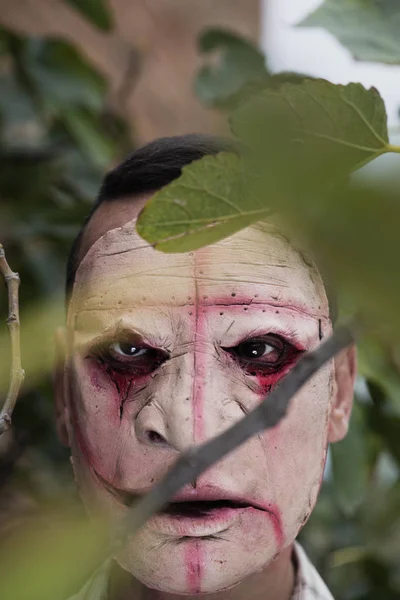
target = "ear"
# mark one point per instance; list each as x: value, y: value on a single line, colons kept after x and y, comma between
x: 345, y: 374
x: 58, y: 384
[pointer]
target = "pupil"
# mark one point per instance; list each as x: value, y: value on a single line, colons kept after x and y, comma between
x: 127, y: 348
x: 255, y: 350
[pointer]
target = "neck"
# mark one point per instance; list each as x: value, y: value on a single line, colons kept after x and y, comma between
x: 276, y: 582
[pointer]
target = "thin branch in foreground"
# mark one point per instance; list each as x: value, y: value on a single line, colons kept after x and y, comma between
x: 17, y: 374
x: 267, y: 415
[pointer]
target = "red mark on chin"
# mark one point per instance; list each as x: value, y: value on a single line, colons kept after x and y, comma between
x: 193, y: 564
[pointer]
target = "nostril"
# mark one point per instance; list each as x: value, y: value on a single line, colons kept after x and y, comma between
x: 156, y: 439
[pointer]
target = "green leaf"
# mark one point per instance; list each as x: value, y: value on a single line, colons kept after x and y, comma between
x: 368, y: 28
x: 350, y: 465
x: 239, y: 69
x: 96, y: 11
x: 207, y: 203
x: 314, y: 128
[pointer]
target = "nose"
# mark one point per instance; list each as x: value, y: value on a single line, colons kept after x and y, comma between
x: 191, y: 402
x: 166, y: 422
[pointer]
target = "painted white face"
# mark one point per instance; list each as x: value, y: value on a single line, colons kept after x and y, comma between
x: 167, y: 351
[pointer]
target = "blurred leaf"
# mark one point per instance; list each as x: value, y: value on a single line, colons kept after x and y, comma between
x: 61, y: 76
x: 368, y: 28
x: 354, y: 230
x: 208, y: 202
x: 314, y: 128
x: 375, y: 364
x: 50, y: 559
x: 96, y: 11
x: 84, y: 129
x: 240, y: 67
x: 38, y: 324
x: 350, y: 465
x: 381, y: 524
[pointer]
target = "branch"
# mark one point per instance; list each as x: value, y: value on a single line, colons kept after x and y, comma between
x: 17, y: 374
x: 268, y: 414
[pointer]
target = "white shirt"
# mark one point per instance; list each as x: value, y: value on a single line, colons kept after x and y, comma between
x: 308, y: 583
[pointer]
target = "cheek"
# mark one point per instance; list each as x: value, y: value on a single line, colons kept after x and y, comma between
x: 295, y: 454
x: 103, y: 407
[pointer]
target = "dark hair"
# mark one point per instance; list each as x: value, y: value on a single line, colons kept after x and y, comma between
x: 147, y: 169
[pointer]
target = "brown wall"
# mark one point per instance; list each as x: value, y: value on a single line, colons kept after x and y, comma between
x: 149, y: 59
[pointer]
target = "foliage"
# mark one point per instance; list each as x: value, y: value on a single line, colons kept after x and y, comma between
x: 308, y: 134
x: 97, y: 12
x: 240, y: 69
x: 368, y: 28
x: 57, y: 137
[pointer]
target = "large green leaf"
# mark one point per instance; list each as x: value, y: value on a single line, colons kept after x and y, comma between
x: 96, y: 11
x: 301, y: 132
x: 350, y: 465
x: 314, y: 128
x: 240, y: 68
x: 207, y: 203
x: 368, y: 28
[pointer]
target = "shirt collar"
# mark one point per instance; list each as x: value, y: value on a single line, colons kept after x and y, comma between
x: 308, y: 583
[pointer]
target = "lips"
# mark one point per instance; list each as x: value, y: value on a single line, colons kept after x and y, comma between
x: 193, y: 501
x: 193, y: 512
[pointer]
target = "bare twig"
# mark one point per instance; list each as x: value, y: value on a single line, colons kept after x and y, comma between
x: 268, y: 414
x: 17, y: 374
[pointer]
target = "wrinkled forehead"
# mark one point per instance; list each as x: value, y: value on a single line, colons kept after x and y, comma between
x: 256, y: 264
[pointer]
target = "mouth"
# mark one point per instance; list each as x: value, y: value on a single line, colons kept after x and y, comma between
x: 193, y: 512
x: 201, y: 508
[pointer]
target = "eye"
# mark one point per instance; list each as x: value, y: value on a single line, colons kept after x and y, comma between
x: 127, y: 349
x: 129, y: 354
x: 259, y: 350
x: 264, y: 354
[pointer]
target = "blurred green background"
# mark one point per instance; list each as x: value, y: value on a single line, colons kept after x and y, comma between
x: 60, y: 129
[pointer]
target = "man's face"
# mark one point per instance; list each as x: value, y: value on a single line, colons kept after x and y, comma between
x: 168, y: 351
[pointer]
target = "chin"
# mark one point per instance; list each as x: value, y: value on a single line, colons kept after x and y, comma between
x: 198, y: 565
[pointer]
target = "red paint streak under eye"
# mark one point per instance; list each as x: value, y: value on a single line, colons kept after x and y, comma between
x: 266, y: 379
x: 125, y: 383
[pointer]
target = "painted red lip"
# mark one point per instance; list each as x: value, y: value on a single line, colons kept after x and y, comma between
x: 198, y: 512
x: 208, y: 496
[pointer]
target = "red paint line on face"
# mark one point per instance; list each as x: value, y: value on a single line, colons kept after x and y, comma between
x: 276, y: 521
x: 193, y: 564
x: 198, y: 368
